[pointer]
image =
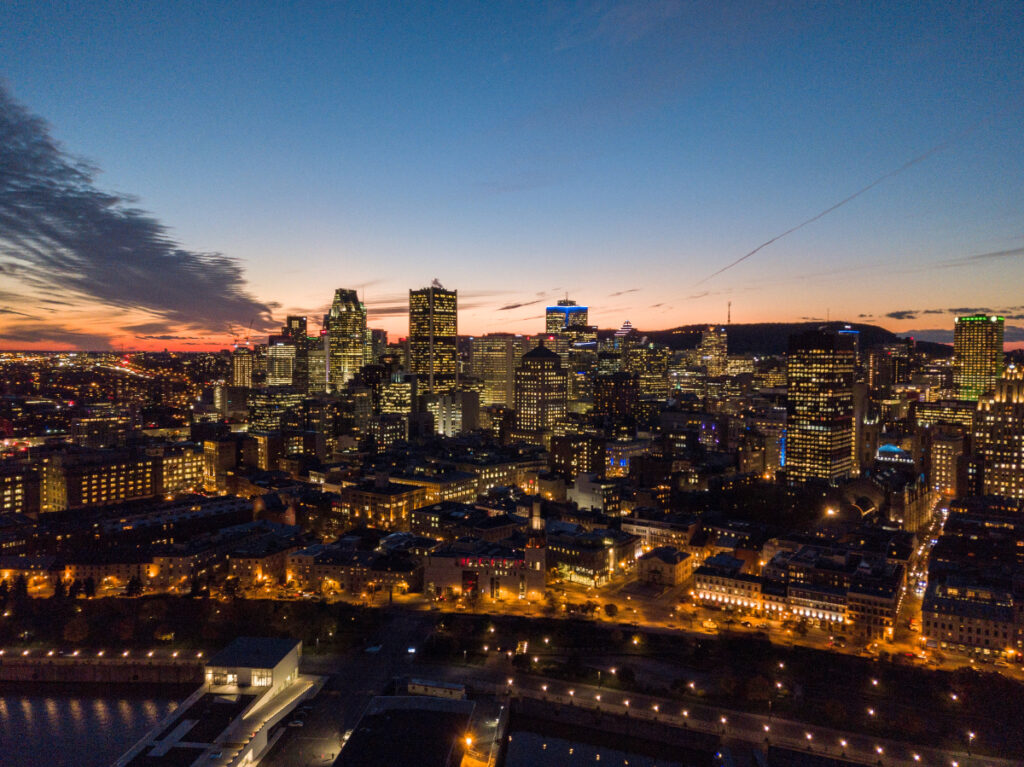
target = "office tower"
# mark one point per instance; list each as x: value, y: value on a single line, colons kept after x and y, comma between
x: 316, y: 367
x: 566, y: 314
x: 378, y: 345
x: 493, y: 359
x: 295, y: 328
x: 294, y: 332
x: 714, y: 350
x: 280, y: 364
x: 433, y: 336
x: 346, y: 338
x: 242, y: 367
x: 649, y: 363
x: 615, y: 396
x: 977, y: 355
x: 820, y: 442
x: 541, y: 391
x: 999, y: 436
x: 268, y: 406
x: 946, y: 460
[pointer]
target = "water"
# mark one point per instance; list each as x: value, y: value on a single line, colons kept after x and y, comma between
x: 77, y: 727
x: 531, y: 749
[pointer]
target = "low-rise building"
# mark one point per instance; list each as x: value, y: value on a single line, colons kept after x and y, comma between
x: 664, y: 566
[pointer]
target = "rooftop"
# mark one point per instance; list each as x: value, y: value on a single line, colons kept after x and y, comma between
x: 254, y: 652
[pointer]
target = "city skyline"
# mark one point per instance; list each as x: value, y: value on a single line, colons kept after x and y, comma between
x: 653, y: 162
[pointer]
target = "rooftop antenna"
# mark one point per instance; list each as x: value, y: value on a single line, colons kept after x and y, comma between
x: 728, y: 314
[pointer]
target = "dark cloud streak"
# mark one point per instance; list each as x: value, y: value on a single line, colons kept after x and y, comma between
x: 60, y: 233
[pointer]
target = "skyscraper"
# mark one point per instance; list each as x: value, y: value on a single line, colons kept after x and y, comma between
x: 820, y: 443
x: 999, y: 436
x: 566, y: 314
x: 346, y: 338
x: 433, y: 336
x: 493, y: 359
x: 241, y: 367
x: 714, y: 350
x: 281, y: 364
x: 977, y: 355
x: 541, y: 392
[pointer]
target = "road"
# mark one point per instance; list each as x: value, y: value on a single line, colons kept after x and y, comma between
x: 354, y: 678
x: 750, y: 730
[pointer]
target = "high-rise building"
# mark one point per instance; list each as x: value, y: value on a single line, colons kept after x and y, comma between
x: 241, y: 367
x: 346, y: 338
x: 281, y: 364
x: 649, y: 363
x: 493, y: 359
x: 433, y: 336
x: 977, y: 354
x: 615, y: 396
x: 541, y: 391
x: 714, y: 350
x: 316, y: 366
x: 820, y: 434
x: 999, y: 436
x: 566, y: 314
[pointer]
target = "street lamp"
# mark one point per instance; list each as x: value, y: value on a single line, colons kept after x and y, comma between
x: 970, y: 741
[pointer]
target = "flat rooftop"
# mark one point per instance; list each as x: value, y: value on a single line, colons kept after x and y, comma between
x: 424, y: 731
x: 253, y: 652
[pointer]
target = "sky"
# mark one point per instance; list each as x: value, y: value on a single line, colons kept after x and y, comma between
x: 172, y: 173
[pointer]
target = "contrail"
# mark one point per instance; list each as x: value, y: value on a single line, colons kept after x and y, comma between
x: 910, y: 163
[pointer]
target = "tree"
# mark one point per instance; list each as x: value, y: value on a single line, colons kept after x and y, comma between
x: 60, y: 590
x: 134, y: 587
x: 75, y: 589
x: 20, y: 590
x: 611, y: 610
x: 89, y: 587
x: 76, y: 630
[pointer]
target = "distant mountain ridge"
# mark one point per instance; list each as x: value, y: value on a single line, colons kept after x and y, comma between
x: 773, y: 337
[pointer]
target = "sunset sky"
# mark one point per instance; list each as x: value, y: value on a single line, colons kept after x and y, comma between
x: 621, y: 152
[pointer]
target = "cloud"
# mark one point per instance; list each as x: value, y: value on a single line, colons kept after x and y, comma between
x: 510, y: 307
x: 620, y: 24
x: 902, y: 314
x: 623, y: 292
x: 993, y: 256
x: 5, y: 310
x: 169, y: 338
x: 970, y: 310
x: 935, y: 311
x: 61, y: 234
x: 34, y: 333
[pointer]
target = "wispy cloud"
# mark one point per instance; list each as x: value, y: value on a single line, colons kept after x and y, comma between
x: 996, y: 255
x: 34, y: 333
x: 623, y: 292
x: 510, y: 307
x: 60, y: 233
x: 902, y: 314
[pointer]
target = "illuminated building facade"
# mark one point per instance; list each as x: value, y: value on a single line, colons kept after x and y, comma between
x: 820, y: 442
x: 714, y: 350
x: 346, y: 338
x: 541, y: 392
x: 564, y: 316
x: 493, y: 360
x: 999, y: 436
x: 433, y: 336
x: 242, y: 367
x: 281, y: 364
x: 977, y: 355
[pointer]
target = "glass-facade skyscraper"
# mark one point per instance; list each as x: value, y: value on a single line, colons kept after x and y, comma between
x: 977, y: 355
x: 433, y: 336
x: 820, y: 434
x: 346, y: 338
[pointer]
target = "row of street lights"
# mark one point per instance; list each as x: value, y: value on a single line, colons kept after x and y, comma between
x: 723, y: 721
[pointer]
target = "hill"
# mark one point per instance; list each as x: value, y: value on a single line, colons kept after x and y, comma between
x: 773, y: 337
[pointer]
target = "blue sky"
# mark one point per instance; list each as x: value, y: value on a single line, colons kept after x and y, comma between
x: 517, y: 151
